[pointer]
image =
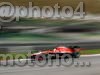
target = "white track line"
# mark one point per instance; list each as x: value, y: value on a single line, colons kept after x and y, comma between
x: 90, y: 55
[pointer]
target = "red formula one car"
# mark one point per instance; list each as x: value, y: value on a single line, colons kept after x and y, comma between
x: 58, y: 52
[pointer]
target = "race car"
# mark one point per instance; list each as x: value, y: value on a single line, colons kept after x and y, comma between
x: 58, y: 52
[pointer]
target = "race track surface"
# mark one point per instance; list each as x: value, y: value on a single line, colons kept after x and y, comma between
x: 90, y: 69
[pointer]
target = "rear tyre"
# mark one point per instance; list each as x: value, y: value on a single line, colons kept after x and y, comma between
x: 76, y: 55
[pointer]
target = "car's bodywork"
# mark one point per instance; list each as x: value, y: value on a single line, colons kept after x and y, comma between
x: 57, y: 52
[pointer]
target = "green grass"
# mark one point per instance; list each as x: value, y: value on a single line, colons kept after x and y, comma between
x: 12, y: 56
x: 27, y: 36
x: 94, y: 51
x: 44, y: 22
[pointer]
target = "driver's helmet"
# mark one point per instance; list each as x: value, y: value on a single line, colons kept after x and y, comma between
x: 77, y: 48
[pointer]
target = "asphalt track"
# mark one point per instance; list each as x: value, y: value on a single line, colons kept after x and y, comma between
x: 91, y: 69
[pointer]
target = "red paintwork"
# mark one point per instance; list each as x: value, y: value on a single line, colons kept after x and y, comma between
x: 60, y: 49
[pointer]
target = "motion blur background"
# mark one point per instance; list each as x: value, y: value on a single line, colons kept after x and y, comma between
x: 29, y: 34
